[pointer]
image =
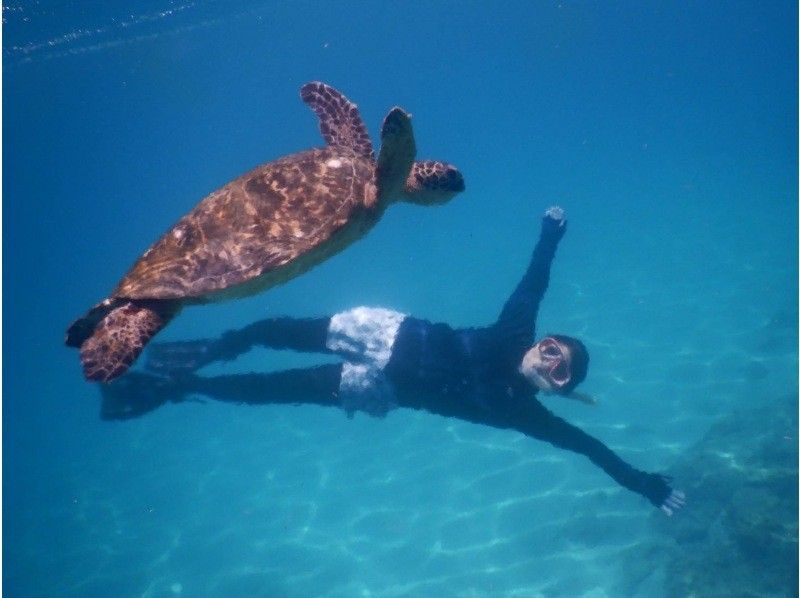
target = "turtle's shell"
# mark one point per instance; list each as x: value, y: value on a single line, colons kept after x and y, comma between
x: 263, y: 228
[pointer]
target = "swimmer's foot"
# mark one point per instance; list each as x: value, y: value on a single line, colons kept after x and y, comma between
x: 135, y: 394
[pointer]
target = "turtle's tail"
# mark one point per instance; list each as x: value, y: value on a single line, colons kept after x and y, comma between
x: 113, y: 333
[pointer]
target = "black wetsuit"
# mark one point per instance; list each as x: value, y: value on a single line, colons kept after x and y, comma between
x: 470, y: 374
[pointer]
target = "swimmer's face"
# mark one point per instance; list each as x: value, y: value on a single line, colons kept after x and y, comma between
x: 547, y: 365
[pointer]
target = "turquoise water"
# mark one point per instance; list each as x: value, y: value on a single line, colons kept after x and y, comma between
x: 667, y: 131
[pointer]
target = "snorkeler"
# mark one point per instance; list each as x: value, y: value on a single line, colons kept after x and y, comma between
x: 487, y: 376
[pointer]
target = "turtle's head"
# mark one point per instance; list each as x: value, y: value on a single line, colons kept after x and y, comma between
x: 431, y: 183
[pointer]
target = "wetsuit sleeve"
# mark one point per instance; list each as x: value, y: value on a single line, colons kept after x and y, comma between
x: 307, y: 335
x: 540, y: 423
x: 518, y: 318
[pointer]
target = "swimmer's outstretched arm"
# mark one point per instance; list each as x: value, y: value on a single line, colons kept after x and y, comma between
x: 298, y: 334
x: 538, y: 422
x: 518, y: 318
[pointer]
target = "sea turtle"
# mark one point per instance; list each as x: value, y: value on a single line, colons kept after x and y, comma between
x: 264, y: 228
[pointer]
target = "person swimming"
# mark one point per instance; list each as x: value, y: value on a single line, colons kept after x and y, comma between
x: 489, y: 375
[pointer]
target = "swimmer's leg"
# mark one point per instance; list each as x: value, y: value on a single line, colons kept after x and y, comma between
x: 136, y: 393
x: 298, y: 334
x: 315, y: 386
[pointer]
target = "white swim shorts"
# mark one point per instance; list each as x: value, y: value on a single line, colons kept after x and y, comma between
x: 364, y: 337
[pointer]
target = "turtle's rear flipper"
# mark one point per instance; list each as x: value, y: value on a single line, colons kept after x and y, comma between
x: 82, y: 328
x: 120, y: 336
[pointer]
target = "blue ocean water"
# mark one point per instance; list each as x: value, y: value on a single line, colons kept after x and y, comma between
x: 668, y: 132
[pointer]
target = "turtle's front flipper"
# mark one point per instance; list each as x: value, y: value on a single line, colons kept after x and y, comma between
x: 398, y: 150
x: 339, y: 119
x: 120, y: 336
